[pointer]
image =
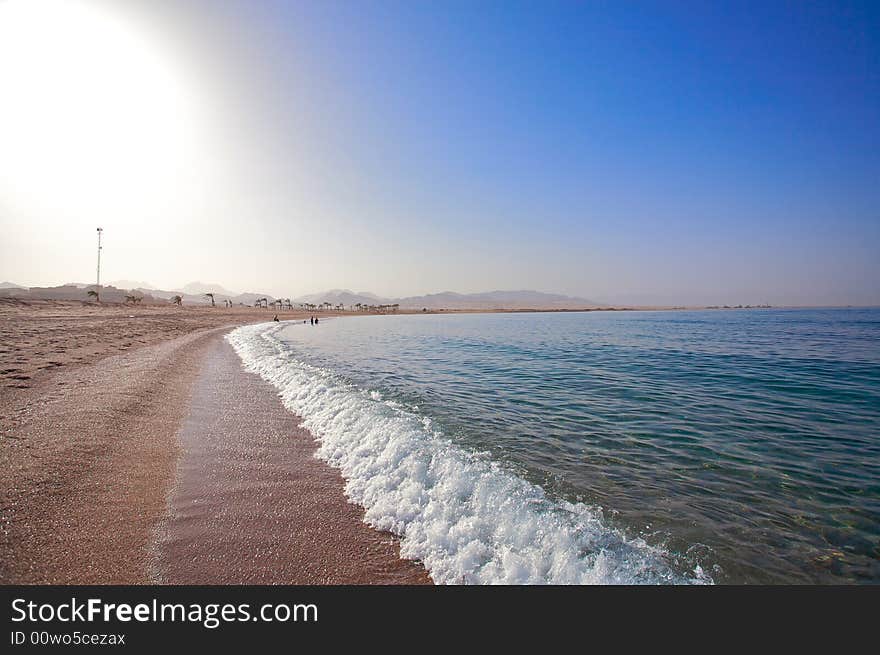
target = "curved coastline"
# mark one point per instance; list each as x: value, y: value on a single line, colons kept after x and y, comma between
x: 95, y: 419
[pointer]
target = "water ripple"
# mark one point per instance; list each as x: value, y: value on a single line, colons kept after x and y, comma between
x: 753, y: 434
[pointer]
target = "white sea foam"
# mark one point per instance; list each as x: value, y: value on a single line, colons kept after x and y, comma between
x: 465, y: 517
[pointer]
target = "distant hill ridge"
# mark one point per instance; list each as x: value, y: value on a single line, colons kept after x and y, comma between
x: 521, y: 299
x: 194, y: 293
x: 200, y: 288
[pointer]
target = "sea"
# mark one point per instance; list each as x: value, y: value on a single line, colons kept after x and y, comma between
x: 605, y: 447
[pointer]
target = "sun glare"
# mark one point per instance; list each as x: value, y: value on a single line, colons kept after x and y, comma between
x: 93, y: 116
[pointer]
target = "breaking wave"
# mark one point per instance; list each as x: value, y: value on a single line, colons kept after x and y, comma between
x: 463, y: 515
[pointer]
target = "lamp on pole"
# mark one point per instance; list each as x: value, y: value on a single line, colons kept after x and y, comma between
x: 100, y: 229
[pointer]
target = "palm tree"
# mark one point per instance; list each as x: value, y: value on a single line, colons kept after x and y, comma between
x: 177, y: 300
x: 211, y: 296
x: 94, y: 294
x: 289, y: 306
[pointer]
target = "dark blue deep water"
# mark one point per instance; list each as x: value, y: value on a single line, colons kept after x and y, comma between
x: 746, y: 441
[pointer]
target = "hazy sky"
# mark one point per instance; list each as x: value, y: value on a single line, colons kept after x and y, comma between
x: 621, y: 151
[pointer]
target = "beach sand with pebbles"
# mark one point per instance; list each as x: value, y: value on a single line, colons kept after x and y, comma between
x: 135, y: 449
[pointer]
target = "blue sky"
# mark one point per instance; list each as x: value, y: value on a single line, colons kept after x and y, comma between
x: 627, y: 152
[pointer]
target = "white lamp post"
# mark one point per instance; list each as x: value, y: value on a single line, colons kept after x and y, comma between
x: 100, y: 229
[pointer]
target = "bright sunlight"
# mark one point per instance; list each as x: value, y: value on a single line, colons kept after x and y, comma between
x: 93, y: 114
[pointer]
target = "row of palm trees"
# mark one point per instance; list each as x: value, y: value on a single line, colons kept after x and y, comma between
x: 357, y: 307
x: 279, y: 303
x: 326, y: 306
x: 381, y: 309
x: 285, y: 303
x: 130, y: 299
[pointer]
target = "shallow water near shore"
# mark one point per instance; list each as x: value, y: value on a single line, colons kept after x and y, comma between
x: 628, y: 447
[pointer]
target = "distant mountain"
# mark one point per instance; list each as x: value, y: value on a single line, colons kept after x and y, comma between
x: 194, y: 294
x: 200, y: 288
x: 131, y: 284
x: 452, y: 300
x: 109, y: 293
x: 495, y: 300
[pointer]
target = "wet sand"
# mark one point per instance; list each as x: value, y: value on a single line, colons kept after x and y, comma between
x: 92, y: 402
x: 252, y: 505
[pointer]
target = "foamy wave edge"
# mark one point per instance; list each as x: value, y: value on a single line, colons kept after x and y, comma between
x: 467, y: 519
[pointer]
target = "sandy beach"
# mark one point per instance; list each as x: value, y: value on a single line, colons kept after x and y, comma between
x: 135, y: 449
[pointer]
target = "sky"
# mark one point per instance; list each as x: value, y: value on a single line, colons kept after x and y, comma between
x: 625, y: 152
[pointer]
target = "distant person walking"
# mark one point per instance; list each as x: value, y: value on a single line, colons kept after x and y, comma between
x: 312, y: 320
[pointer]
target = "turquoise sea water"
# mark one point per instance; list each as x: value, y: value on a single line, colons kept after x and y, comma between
x: 744, y: 443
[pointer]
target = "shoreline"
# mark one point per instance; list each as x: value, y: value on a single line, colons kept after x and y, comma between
x: 109, y: 422
x: 94, y: 404
x: 251, y: 504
